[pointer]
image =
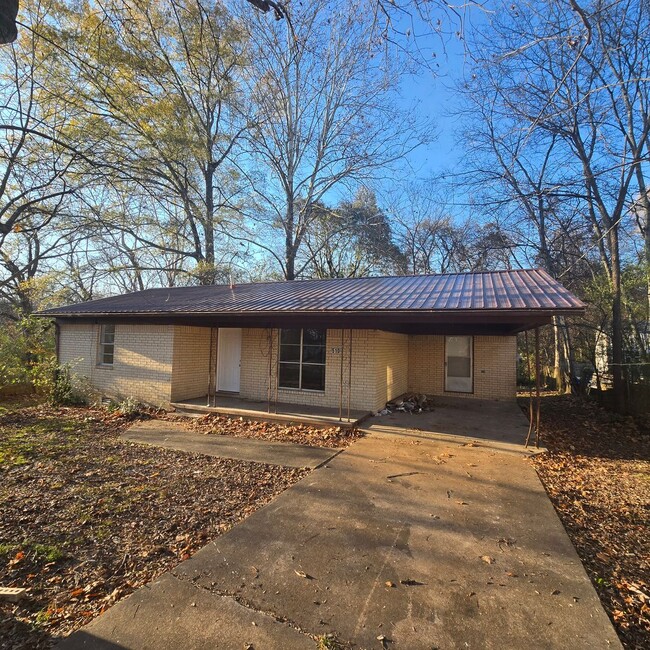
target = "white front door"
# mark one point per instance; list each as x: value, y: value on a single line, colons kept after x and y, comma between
x: 458, y: 364
x: 229, y: 359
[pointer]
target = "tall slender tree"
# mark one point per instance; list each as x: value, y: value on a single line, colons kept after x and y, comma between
x: 156, y: 87
x: 571, y: 83
x: 325, y: 118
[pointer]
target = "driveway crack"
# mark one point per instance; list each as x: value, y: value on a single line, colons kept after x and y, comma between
x: 246, y: 604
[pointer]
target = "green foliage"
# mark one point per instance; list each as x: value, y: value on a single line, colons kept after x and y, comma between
x: 41, y: 553
x: 56, y: 382
x: 24, y: 346
x: 129, y: 407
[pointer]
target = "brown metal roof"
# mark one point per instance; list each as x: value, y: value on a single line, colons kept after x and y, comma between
x: 527, y: 290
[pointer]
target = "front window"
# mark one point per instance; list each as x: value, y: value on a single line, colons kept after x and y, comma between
x: 302, y: 359
x: 106, y: 345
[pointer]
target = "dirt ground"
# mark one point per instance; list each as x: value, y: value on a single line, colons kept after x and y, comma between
x: 303, y: 434
x: 86, y: 518
x: 597, y: 473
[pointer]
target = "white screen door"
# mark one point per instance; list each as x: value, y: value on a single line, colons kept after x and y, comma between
x: 229, y: 359
x: 458, y: 364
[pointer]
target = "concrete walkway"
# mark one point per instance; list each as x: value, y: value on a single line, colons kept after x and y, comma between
x: 401, y: 541
x: 175, y: 436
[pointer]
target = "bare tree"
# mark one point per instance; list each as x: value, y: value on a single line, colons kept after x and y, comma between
x: 574, y: 80
x: 324, y: 118
x: 155, y: 87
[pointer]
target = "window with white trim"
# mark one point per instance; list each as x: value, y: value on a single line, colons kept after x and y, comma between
x: 302, y: 359
x: 106, y: 345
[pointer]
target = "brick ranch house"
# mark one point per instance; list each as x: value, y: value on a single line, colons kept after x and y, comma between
x: 335, y: 344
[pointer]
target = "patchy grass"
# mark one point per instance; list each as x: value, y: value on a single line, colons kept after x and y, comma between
x: 88, y: 518
x: 597, y: 473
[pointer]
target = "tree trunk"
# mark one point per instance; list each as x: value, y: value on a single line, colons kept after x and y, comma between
x: 289, y: 248
x: 561, y: 370
x: 617, y: 324
x: 209, y: 275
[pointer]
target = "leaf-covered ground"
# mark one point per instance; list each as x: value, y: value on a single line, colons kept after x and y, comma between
x: 86, y: 518
x: 303, y: 434
x: 597, y: 473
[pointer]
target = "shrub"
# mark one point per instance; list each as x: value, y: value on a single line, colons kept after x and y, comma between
x: 56, y: 383
x: 129, y: 407
x: 24, y: 345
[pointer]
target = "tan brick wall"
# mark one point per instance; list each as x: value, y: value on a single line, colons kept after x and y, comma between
x: 158, y: 364
x: 255, y: 370
x: 391, y: 357
x: 142, y: 366
x: 495, y: 368
x: 191, y: 362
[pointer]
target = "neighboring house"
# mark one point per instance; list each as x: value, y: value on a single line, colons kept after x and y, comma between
x: 331, y: 343
x: 635, y: 346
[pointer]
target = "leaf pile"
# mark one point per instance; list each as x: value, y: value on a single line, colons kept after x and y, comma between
x: 303, y: 434
x: 597, y: 473
x: 87, y: 518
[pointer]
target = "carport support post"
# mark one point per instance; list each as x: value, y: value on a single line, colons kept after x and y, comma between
x: 276, y: 371
x: 537, y: 380
x: 268, y: 392
x: 212, y: 370
x: 341, y: 380
x: 531, y: 418
x: 350, y: 375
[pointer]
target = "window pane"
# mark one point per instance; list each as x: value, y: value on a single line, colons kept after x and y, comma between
x: 314, y: 337
x: 313, y: 354
x: 107, y: 358
x: 289, y: 375
x: 313, y: 377
x: 290, y: 336
x: 459, y: 367
x: 108, y: 338
x: 290, y: 353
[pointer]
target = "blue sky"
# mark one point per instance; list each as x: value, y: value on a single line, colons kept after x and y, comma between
x: 434, y: 93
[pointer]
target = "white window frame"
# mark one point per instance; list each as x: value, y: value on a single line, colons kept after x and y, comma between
x: 301, y: 363
x: 105, y: 331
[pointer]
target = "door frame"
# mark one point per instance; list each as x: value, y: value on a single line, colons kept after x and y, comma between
x: 471, y: 364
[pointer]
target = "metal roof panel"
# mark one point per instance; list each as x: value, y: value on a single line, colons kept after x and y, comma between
x: 522, y: 289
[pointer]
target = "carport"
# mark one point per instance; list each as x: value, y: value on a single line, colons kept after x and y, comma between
x: 484, y: 423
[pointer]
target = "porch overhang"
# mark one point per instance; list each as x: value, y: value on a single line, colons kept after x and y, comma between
x: 467, y: 322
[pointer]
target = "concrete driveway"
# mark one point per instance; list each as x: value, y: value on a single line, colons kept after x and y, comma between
x: 407, y: 539
x: 489, y: 423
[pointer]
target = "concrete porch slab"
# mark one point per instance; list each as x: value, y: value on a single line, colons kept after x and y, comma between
x: 174, y: 436
x: 281, y: 412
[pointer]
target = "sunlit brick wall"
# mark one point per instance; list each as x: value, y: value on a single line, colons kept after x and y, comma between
x: 142, y: 366
x: 191, y: 361
x: 495, y: 366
